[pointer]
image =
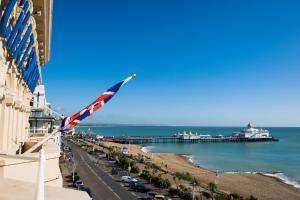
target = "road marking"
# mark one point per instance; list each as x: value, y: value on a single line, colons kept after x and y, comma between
x: 133, y: 194
x: 110, y: 176
x: 99, y: 177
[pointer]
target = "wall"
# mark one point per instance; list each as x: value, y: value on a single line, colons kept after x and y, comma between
x: 14, y: 95
x: 26, y: 168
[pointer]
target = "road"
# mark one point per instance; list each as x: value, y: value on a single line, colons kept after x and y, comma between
x: 102, y: 185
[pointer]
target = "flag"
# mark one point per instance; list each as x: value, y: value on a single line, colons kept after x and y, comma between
x: 70, y: 122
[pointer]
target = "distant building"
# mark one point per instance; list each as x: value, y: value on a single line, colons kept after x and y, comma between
x: 41, y: 119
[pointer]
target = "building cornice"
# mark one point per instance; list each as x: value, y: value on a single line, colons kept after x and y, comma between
x: 42, y: 12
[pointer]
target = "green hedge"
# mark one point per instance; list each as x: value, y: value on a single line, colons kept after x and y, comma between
x: 184, y: 176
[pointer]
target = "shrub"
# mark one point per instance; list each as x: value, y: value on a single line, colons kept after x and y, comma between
x: 251, y: 198
x: 221, y: 196
x: 142, y: 160
x: 146, y: 175
x: 154, y: 166
x: 174, y: 191
x: 212, y: 187
x: 184, y: 176
x: 161, y: 182
x: 205, y: 194
x: 236, y: 196
x: 182, y: 192
x: 186, y: 195
x: 135, y: 168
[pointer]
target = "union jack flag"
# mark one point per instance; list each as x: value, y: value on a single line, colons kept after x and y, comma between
x: 70, y: 122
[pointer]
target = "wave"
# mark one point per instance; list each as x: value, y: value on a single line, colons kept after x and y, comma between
x: 147, y: 149
x: 279, y: 175
x: 191, y: 159
x: 284, y: 179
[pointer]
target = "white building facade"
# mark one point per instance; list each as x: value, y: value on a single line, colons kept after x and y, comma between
x: 25, y: 29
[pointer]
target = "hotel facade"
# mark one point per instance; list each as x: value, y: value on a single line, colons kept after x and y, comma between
x: 25, y: 30
x: 25, y: 41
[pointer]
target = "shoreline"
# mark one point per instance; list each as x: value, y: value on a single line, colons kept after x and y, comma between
x: 278, y: 176
x: 245, y: 184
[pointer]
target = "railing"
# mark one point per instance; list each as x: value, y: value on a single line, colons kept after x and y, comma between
x: 39, y: 130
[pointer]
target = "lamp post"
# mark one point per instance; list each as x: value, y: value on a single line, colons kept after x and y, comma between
x: 73, y: 170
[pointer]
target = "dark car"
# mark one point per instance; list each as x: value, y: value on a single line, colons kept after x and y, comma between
x: 76, y: 178
x: 151, y: 194
x: 87, y: 190
x: 138, y: 187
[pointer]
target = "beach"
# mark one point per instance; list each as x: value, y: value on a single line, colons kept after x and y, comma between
x: 245, y: 184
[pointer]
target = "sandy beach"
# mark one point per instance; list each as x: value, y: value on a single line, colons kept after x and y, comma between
x: 261, y: 186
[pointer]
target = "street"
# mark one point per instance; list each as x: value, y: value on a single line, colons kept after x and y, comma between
x: 103, y: 186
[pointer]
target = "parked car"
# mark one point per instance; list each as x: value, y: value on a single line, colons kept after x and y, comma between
x: 138, y: 187
x: 87, y: 190
x: 92, y: 153
x: 128, y: 179
x: 160, y: 197
x: 151, y: 194
x: 79, y: 183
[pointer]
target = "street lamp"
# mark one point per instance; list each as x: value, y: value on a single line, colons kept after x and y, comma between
x: 73, y: 170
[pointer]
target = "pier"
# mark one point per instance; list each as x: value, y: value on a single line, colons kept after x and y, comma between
x: 173, y: 139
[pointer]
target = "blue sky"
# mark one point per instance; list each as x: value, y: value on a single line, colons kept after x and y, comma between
x: 197, y: 62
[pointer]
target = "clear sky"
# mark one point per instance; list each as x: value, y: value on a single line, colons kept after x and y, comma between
x: 202, y: 62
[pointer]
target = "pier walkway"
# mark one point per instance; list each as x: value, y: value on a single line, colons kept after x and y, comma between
x: 173, y: 139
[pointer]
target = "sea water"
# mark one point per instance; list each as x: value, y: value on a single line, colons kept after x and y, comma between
x: 280, y: 159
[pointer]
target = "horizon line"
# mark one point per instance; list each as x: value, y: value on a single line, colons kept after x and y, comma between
x: 141, y: 124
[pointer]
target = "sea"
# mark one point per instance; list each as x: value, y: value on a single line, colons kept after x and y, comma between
x: 279, y: 159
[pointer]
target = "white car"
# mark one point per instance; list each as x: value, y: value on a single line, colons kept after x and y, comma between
x: 128, y: 179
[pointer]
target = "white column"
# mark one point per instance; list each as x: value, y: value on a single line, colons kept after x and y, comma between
x: 5, y: 126
x: 40, y: 190
x: 10, y: 127
x: 27, y: 125
x: 21, y: 125
x: 2, y: 105
x: 22, y: 131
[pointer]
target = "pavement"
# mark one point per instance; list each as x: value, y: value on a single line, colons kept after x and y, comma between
x: 101, y: 183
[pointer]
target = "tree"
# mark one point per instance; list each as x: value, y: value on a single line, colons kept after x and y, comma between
x: 251, y: 198
x: 212, y: 187
x: 176, y: 181
x: 205, y: 194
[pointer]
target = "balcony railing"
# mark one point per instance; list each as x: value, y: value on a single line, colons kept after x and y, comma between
x: 39, y: 130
